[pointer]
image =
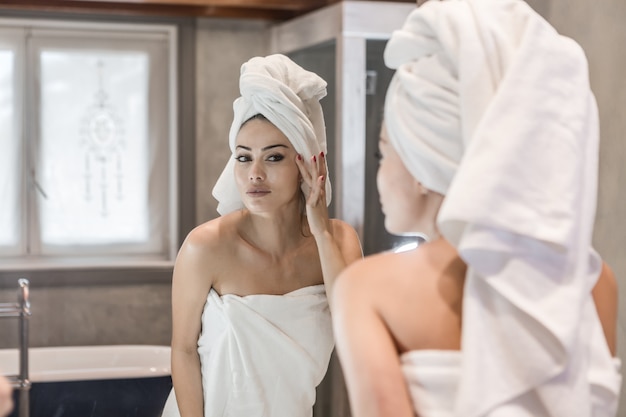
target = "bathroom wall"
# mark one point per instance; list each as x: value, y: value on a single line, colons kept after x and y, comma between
x: 133, y: 306
x: 221, y: 47
x: 102, y: 314
x: 112, y: 305
x: 599, y: 28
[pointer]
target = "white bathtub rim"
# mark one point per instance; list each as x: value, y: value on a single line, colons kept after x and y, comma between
x: 88, y: 363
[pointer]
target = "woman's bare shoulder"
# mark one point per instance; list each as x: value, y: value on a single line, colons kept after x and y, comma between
x: 369, y: 280
x: 409, y: 270
x: 206, y: 255
x: 208, y: 245
x: 345, y: 234
x: 377, y: 271
x: 409, y: 284
x: 213, y: 234
x: 341, y: 227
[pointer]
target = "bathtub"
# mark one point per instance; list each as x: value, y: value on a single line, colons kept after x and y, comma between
x: 94, y: 381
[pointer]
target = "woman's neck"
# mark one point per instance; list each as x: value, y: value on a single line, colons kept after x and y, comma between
x: 274, y: 233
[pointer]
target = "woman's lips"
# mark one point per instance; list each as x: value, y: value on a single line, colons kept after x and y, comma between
x: 257, y: 192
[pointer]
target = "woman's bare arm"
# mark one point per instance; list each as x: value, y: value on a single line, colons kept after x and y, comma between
x: 605, y: 298
x: 337, y: 250
x: 190, y: 286
x: 368, y: 355
x: 337, y: 242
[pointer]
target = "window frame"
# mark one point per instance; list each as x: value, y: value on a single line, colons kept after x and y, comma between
x: 18, y: 74
x: 29, y: 135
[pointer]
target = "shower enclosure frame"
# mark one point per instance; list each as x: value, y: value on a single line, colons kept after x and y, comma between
x: 350, y: 24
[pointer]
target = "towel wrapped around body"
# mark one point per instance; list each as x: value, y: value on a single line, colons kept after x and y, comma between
x: 263, y: 355
x: 491, y: 107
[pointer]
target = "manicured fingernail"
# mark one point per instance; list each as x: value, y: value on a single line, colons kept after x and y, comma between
x: 314, y: 158
x: 322, y: 178
x: 299, y: 157
x: 322, y: 154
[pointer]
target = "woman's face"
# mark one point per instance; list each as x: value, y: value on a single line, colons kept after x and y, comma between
x: 401, y: 195
x: 265, y: 169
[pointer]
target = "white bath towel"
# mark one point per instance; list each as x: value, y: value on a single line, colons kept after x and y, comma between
x: 288, y: 96
x: 520, y: 180
x: 432, y: 378
x: 263, y: 355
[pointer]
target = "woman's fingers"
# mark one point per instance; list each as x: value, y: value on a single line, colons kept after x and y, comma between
x: 316, y: 191
x: 305, y: 171
x: 315, y: 167
x: 313, y: 170
x: 313, y: 176
x: 322, y: 165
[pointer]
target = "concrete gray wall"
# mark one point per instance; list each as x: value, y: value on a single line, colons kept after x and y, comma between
x: 103, y: 314
x: 222, y: 46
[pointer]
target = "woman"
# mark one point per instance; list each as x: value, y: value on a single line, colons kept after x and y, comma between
x: 489, y: 147
x: 251, y: 326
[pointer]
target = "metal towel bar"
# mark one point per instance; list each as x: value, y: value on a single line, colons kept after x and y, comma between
x: 21, y: 311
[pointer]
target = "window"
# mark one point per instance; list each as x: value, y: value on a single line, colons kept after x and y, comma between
x: 87, y: 144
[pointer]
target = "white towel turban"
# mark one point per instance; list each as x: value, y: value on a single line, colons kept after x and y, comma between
x: 427, y: 130
x: 288, y: 96
x: 492, y: 107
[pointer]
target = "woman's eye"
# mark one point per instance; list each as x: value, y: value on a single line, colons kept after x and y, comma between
x: 275, y: 158
x: 243, y: 158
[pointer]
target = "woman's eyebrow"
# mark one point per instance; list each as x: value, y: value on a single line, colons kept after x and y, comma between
x: 263, y: 149
x: 278, y: 145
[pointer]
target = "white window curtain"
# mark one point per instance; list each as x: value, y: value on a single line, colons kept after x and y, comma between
x: 100, y: 162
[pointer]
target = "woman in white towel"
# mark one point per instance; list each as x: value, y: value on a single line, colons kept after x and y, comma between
x: 251, y: 325
x: 489, y: 148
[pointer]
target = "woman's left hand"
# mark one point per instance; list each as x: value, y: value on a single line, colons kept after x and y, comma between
x: 6, y: 396
x: 313, y: 186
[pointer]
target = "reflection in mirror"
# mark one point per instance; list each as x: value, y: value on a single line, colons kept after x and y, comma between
x: 331, y: 393
x: 252, y: 330
x: 375, y: 237
x: 321, y: 60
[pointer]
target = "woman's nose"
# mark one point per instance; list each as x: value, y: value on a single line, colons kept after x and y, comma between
x: 256, y: 172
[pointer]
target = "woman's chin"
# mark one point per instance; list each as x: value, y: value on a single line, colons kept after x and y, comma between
x: 393, y: 228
